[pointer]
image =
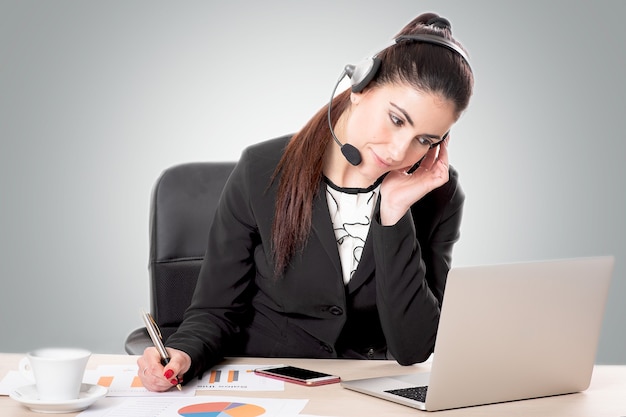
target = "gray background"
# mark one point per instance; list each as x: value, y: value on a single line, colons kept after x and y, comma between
x: 97, y: 98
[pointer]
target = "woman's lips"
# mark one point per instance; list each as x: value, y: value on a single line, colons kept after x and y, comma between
x: 380, y: 161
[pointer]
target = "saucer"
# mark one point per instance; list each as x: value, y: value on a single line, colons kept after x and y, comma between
x: 29, y: 397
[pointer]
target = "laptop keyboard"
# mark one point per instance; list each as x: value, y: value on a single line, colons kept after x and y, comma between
x: 413, y: 393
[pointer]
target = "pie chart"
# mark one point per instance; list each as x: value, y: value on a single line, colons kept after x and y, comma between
x: 221, y: 409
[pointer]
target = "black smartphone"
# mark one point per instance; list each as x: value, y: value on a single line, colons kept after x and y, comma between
x: 414, y: 167
x: 297, y: 375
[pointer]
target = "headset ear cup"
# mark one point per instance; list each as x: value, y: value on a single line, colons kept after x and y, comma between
x: 364, y: 73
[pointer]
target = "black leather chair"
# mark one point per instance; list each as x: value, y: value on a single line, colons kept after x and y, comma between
x: 183, y: 203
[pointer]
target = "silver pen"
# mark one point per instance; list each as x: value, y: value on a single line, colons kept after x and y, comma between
x: 155, y: 335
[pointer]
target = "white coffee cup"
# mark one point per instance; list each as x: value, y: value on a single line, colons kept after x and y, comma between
x: 57, y: 372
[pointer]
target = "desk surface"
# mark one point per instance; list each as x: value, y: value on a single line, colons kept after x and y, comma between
x: 605, y: 397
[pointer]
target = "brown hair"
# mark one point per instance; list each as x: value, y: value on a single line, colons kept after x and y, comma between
x: 428, y: 68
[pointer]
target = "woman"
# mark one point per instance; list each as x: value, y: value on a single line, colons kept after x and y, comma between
x: 312, y: 255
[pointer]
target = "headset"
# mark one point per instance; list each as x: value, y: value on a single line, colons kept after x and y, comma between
x: 362, y: 74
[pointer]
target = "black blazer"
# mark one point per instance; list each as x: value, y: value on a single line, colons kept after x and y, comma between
x: 390, y: 308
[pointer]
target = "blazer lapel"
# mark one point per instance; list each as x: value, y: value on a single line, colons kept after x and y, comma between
x: 366, y: 265
x: 323, y: 228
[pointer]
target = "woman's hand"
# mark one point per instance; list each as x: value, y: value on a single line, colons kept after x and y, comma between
x: 156, y: 377
x: 399, y: 190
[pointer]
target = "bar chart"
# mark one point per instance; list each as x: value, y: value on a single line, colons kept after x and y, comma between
x: 236, y: 378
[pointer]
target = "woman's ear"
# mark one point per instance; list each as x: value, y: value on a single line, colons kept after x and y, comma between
x: 355, y: 98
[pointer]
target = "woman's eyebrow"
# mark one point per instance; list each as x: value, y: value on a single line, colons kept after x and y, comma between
x: 401, y: 110
x: 408, y: 118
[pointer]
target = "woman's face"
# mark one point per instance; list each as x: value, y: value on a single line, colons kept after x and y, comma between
x: 393, y: 126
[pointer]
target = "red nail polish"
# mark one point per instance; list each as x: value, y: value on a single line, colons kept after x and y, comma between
x: 168, y: 374
x: 174, y: 381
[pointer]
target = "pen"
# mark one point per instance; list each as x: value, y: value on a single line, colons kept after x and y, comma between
x: 155, y: 335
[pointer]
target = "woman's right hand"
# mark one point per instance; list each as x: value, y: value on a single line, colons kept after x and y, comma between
x: 155, y: 376
x: 400, y: 191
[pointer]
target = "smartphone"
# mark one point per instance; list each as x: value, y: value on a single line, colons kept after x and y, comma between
x: 298, y: 375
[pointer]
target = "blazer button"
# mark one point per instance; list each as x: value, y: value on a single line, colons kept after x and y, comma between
x: 327, y: 348
x: 370, y: 353
x: 335, y: 310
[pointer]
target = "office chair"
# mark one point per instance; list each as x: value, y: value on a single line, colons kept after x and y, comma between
x: 183, y: 203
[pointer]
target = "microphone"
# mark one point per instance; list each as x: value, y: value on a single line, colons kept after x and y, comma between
x: 351, y: 153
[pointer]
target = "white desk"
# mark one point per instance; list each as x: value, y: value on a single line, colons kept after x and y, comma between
x: 605, y: 397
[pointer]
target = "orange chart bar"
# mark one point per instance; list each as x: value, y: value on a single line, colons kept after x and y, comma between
x: 233, y: 376
x: 136, y: 383
x: 105, y: 381
x: 214, y: 377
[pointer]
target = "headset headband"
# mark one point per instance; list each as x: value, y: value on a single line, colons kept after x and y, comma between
x: 436, y: 40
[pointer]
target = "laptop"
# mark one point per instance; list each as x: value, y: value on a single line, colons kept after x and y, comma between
x: 508, y: 332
